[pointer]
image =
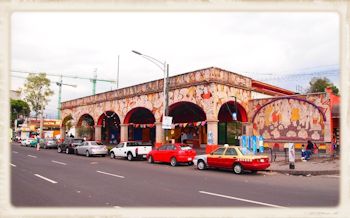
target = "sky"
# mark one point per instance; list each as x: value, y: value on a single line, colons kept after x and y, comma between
x: 276, y: 48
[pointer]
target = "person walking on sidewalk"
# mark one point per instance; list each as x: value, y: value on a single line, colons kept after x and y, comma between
x: 309, y: 147
x: 305, y: 155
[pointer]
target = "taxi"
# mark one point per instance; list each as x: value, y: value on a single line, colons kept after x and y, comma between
x: 231, y: 157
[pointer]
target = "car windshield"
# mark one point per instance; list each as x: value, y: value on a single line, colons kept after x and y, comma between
x: 185, y: 147
x: 134, y: 143
x: 245, y: 151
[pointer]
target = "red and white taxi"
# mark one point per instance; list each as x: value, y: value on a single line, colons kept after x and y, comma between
x: 231, y: 157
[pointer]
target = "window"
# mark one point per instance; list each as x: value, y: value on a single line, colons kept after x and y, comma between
x: 219, y: 151
x: 231, y: 152
x: 163, y: 148
x: 120, y: 145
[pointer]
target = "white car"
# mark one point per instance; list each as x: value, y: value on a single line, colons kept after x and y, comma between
x: 90, y: 148
x: 26, y: 142
x: 131, y: 150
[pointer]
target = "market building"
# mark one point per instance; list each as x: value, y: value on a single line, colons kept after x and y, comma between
x: 31, y: 126
x: 209, y: 107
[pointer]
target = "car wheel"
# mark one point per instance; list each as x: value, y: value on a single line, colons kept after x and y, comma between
x: 59, y: 150
x: 150, y: 159
x: 173, y: 161
x: 87, y: 154
x: 201, y: 165
x: 112, y: 155
x: 129, y: 156
x: 190, y: 163
x: 237, y: 168
x: 67, y: 150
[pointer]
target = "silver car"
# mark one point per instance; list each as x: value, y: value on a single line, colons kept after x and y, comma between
x: 90, y: 148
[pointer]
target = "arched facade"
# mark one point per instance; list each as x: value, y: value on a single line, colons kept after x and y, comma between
x: 107, y: 129
x: 85, y: 127
x: 204, y: 98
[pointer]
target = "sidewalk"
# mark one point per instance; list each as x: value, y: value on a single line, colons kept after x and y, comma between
x: 315, y: 166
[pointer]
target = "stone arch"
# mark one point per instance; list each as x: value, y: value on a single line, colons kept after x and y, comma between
x: 86, y: 126
x: 141, y: 124
x: 189, y: 121
x: 109, y: 127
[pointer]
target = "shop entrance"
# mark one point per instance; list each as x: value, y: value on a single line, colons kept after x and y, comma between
x: 189, y: 124
x: 229, y: 129
x: 141, y: 125
x: 110, y: 127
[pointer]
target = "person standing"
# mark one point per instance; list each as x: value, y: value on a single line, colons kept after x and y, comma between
x: 37, y: 138
x: 309, y: 147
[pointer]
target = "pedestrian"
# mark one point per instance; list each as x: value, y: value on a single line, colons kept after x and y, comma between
x: 305, y: 156
x: 309, y: 147
x: 183, y: 137
x: 37, y: 143
x: 334, y: 145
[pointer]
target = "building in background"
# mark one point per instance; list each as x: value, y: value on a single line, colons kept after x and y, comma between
x: 31, y: 126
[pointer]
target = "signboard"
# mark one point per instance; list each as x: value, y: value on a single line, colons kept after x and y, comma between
x: 167, y: 121
x: 291, y: 152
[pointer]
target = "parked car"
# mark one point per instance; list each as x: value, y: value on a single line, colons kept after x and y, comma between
x: 68, y: 145
x: 173, y: 154
x: 131, y: 150
x: 26, y: 142
x: 48, y: 143
x: 90, y: 148
x: 231, y: 157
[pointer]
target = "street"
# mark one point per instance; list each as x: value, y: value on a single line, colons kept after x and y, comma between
x: 47, y: 178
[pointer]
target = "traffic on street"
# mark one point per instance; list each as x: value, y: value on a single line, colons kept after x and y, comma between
x: 51, y: 179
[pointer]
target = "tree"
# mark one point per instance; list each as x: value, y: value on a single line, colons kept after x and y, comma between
x: 37, y: 91
x: 18, y: 107
x: 320, y: 84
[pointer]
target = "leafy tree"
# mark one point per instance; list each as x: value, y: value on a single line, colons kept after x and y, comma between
x: 37, y: 91
x: 320, y: 84
x: 18, y: 107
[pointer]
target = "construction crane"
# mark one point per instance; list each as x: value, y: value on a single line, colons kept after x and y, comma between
x: 60, y: 83
x: 93, y: 80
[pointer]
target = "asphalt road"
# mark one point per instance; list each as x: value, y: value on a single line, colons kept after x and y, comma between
x: 47, y: 178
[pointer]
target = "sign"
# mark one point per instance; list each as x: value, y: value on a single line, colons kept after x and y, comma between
x: 167, y: 121
x: 291, y: 152
x: 261, y: 144
x: 234, y: 116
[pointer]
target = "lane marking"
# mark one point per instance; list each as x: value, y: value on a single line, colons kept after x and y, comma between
x: 32, y: 156
x: 240, y: 199
x: 332, y: 176
x: 44, y: 178
x: 13, y: 165
x: 15, y: 152
x: 110, y: 174
x: 53, y: 161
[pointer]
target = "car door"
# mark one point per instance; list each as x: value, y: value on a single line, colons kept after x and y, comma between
x: 159, y: 154
x: 170, y: 152
x: 228, y: 158
x: 214, y: 158
x: 119, y: 150
x: 82, y: 147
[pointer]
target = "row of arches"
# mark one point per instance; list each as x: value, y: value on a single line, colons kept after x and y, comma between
x: 189, y: 119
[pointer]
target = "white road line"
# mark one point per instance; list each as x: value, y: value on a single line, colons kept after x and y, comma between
x: 110, y: 174
x: 240, y: 199
x: 332, y: 176
x: 13, y: 165
x: 53, y: 161
x: 44, y: 178
x: 15, y: 152
x: 32, y: 156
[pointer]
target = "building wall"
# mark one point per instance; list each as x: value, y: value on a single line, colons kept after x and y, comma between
x: 292, y: 118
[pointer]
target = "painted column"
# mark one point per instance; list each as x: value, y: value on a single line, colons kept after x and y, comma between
x: 77, y: 135
x: 124, y: 132
x: 98, y: 131
x: 63, y: 132
x: 159, y: 134
x: 212, y: 131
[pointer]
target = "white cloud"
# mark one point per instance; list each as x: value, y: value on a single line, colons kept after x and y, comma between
x: 77, y: 43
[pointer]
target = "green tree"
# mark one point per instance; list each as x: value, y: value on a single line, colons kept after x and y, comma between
x: 320, y: 84
x: 18, y: 107
x: 37, y: 92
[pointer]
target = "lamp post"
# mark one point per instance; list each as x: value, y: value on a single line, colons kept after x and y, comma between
x: 165, y: 68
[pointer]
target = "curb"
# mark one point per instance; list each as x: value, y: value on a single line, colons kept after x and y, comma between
x: 306, y: 173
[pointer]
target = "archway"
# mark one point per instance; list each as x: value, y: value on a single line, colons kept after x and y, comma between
x: 86, y: 127
x: 110, y: 127
x: 190, y: 123
x: 141, y: 125
x: 67, y: 127
x: 231, y: 115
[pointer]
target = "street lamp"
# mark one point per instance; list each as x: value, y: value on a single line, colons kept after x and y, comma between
x: 165, y: 68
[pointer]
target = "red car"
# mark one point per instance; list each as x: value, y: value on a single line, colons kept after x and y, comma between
x: 172, y: 153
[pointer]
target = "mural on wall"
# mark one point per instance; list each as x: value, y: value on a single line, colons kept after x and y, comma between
x: 289, y: 119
